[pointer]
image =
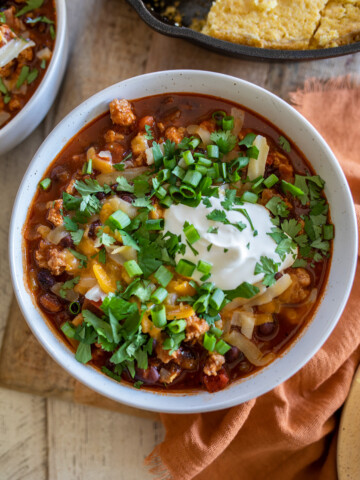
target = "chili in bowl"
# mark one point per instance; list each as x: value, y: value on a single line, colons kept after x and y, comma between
x: 33, y: 53
x: 182, y: 242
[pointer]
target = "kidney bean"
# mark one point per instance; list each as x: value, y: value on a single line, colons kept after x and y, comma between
x: 267, y: 330
x: 50, y: 303
x: 59, y: 174
x: 278, y: 275
x: 149, y: 376
x: 127, y: 197
x: 45, y: 279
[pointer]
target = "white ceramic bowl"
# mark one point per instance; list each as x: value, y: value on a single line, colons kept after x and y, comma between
x: 39, y: 104
x: 342, y: 267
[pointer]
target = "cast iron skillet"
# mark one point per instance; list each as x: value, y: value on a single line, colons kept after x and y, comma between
x: 150, y: 13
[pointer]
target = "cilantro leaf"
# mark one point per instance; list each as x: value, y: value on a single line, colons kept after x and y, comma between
x: 217, y: 216
x: 299, y: 262
x: 70, y: 225
x: 77, y: 236
x: 149, y: 134
x: 71, y: 202
x: 269, y: 268
x: 206, y: 202
x: 213, y: 230
x: 128, y: 240
x: 111, y: 374
x: 68, y: 285
x: 224, y: 140
x: 244, y: 290
x: 291, y: 227
x: 83, y: 353
x: 169, y: 148
x: 101, y: 327
x: 277, y: 207
x: 284, y: 247
x: 248, y: 140
x: 90, y: 204
x: 83, y: 258
x: 230, y: 195
x: 88, y: 187
x: 284, y: 144
x: 30, y: 5
x: 143, y: 202
x: 105, y: 239
x: 124, y: 185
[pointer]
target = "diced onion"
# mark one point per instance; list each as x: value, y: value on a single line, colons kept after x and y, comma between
x: 12, y: 49
x: 95, y: 294
x: 256, y: 166
x: 120, y: 204
x: 203, y: 133
x: 272, y: 292
x: 105, y: 154
x: 44, y: 54
x: 149, y: 156
x: 244, y: 320
x: 70, y: 294
x: 55, y: 236
x: 129, y: 174
x: 121, y: 254
x: 248, y: 348
x: 239, y: 116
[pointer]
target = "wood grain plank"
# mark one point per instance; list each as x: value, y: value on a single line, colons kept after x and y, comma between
x: 98, y: 444
x: 23, y: 437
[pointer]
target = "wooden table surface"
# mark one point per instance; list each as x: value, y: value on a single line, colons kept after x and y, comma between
x: 52, y: 439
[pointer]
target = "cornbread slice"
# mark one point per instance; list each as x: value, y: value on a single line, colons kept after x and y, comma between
x: 285, y: 24
x: 340, y: 24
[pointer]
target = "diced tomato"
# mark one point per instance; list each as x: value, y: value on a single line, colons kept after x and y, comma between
x: 214, y: 383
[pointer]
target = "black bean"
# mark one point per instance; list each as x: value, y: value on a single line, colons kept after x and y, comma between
x: 149, y: 376
x: 92, y: 229
x: 266, y: 329
x: 45, y: 279
x: 100, y: 195
x: 67, y: 242
x: 278, y: 275
x: 232, y: 355
x: 127, y: 197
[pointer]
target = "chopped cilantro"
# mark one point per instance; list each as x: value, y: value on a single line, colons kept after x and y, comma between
x: 77, y: 236
x: 30, y: 5
x: 83, y: 258
x: 284, y: 144
x: 68, y: 285
x: 277, y: 207
x: 244, y: 290
x: 224, y: 140
x: 88, y: 187
x: 269, y: 268
x: 149, y: 134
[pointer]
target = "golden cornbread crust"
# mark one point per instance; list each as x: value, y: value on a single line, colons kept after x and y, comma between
x: 339, y: 25
x: 284, y: 24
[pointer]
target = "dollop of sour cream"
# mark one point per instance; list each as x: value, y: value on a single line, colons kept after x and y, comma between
x: 234, y: 253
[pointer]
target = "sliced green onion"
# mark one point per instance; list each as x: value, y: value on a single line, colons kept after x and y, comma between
x: 228, y: 123
x: 177, y: 326
x: 159, y: 295
x: 201, y: 169
x: 248, y: 140
x: 187, y: 191
x: 23, y: 75
x: 68, y: 329
x: 3, y: 88
x: 43, y: 64
x: 179, y: 172
x: 163, y: 175
x: 202, y: 303
x: 204, y: 162
x: 132, y: 268
x: 191, y: 234
x: 252, y: 152
x: 205, y: 184
x: 45, y: 184
x: 175, y: 193
x: 204, y: 267
x: 216, y: 331
x: 187, y: 156
x: 89, y: 167
x: 154, y: 224
x: 194, y: 143
x: 289, y: 187
x: 218, y: 113
x: 217, y: 299
x: 213, y: 151
x: 249, y: 197
x: 158, y: 316
x: 192, y: 178
x: 163, y: 276
x: 270, y: 181
x: 211, y: 173
x: 257, y: 186
x: 166, y: 202
x: 205, y: 277
x: 222, y: 347
x: 185, y: 268
x: 223, y: 170
x: 209, y: 342
x: 169, y: 163
x: 328, y: 232
x: 118, y: 220
x: 74, y: 308
x: 207, y: 287
x: 161, y: 193
x: 32, y: 76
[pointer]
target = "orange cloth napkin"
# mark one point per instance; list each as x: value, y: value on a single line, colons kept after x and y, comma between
x: 290, y: 432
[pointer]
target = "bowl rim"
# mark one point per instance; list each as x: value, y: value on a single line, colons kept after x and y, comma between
x: 61, y: 21
x: 144, y: 399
